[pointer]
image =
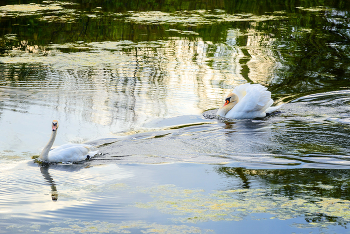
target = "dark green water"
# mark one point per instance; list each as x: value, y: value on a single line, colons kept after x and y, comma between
x: 141, y: 79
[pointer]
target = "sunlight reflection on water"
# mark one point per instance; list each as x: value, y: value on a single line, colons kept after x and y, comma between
x: 134, y: 86
x: 131, y: 88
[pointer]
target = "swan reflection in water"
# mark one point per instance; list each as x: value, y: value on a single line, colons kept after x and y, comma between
x: 45, y: 172
x: 44, y: 169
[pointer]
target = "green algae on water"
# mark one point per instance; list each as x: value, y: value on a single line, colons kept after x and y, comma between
x: 193, y: 206
x: 97, y: 226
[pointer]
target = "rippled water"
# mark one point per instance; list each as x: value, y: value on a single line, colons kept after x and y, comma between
x: 142, y: 82
x: 309, y: 132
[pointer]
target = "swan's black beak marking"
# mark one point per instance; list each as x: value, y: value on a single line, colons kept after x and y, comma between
x: 227, y: 101
x: 54, y: 126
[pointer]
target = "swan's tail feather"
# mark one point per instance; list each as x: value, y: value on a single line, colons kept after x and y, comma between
x: 93, y: 153
x: 273, y: 109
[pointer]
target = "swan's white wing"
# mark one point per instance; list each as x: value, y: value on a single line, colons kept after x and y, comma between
x: 241, y: 90
x: 71, y: 153
x: 61, y: 147
x: 254, y: 99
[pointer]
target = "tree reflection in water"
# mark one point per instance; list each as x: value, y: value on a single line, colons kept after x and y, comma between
x: 316, y: 186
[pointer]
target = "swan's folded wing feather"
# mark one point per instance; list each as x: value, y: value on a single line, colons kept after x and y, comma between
x: 241, y: 90
x: 253, y: 104
x: 257, y: 98
x: 71, y: 153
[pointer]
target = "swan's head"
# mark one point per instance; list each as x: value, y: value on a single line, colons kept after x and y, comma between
x: 54, y: 125
x: 230, y: 101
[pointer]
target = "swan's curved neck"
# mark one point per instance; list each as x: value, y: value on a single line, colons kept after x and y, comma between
x: 44, y: 156
x: 231, y: 100
x: 225, y: 109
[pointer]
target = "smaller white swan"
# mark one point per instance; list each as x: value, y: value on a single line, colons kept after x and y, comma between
x: 67, y: 152
x: 247, y: 101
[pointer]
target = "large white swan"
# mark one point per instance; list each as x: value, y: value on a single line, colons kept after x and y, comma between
x: 67, y: 152
x: 247, y: 101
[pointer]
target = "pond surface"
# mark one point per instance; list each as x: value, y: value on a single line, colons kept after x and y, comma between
x: 142, y: 81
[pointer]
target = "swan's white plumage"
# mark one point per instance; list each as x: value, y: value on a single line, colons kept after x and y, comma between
x: 71, y: 153
x: 254, y: 101
x: 65, y: 153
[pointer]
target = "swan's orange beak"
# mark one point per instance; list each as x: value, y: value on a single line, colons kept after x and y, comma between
x: 227, y: 101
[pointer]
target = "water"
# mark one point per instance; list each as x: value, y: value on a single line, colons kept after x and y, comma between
x: 142, y: 82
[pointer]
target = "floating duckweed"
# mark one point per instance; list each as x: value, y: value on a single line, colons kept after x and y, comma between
x: 196, y: 206
x: 57, y: 12
x: 61, y: 60
x: 194, y: 18
x: 66, y: 15
x: 77, y: 226
x: 326, y: 186
x: 189, y: 18
x: 29, y: 7
x: 313, y: 9
x: 183, y: 32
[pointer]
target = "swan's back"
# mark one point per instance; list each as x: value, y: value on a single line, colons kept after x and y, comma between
x: 71, y: 153
x: 254, y: 99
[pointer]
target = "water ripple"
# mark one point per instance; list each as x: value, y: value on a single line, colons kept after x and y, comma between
x: 303, y: 135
